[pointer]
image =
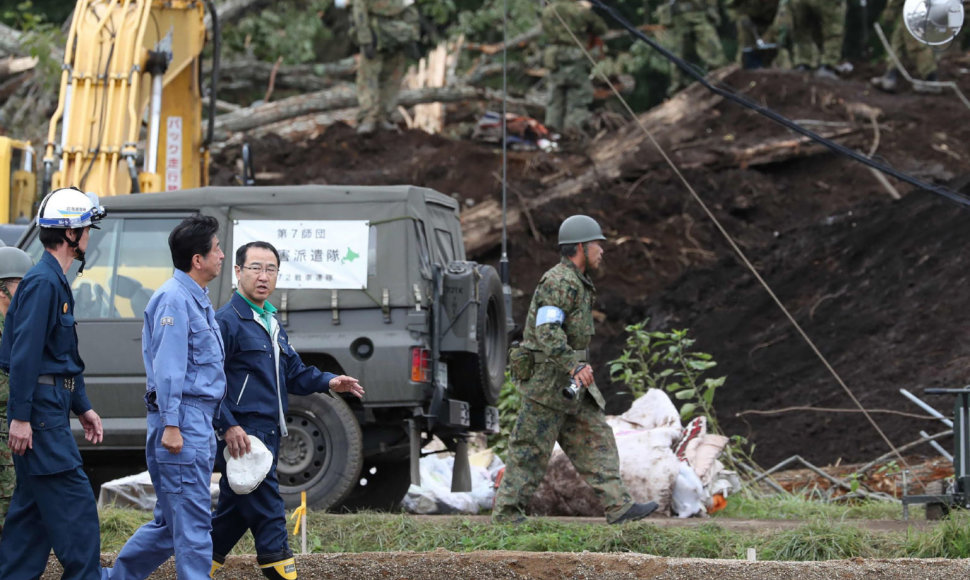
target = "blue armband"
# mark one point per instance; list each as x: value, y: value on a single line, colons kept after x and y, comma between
x: 549, y: 315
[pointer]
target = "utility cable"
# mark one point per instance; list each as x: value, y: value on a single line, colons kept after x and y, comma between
x: 727, y: 237
x: 779, y: 118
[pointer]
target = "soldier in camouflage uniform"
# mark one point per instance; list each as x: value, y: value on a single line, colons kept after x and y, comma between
x: 690, y: 26
x: 553, y: 353
x: 14, y: 263
x: 570, y: 90
x: 906, y: 48
x: 387, y: 32
x: 817, y: 34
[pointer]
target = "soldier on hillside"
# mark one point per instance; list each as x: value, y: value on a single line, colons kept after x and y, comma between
x: 570, y: 91
x: 553, y: 355
x: 906, y: 48
x: 387, y: 32
x: 691, y: 27
x: 817, y: 33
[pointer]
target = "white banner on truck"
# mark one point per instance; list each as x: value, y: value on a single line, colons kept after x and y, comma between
x: 313, y: 254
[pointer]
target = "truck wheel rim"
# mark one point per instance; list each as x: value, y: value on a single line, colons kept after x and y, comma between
x: 303, y: 452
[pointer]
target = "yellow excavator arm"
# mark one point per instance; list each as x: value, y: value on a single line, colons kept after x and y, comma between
x: 18, y: 182
x: 129, y: 113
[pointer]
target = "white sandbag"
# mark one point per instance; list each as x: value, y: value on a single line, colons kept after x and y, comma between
x: 689, y: 495
x: 652, y: 410
x: 703, y: 455
x: 648, y: 468
x: 434, y: 495
x: 136, y: 491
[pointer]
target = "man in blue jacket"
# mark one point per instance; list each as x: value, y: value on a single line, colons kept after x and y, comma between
x: 183, y: 355
x: 261, y: 369
x: 53, y: 505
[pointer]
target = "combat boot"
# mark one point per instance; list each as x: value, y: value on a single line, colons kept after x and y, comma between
x: 888, y: 82
x: 637, y: 511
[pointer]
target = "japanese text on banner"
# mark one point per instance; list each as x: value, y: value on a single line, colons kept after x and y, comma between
x: 317, y: 254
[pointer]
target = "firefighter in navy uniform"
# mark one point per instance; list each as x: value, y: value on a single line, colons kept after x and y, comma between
x: 53, y: 506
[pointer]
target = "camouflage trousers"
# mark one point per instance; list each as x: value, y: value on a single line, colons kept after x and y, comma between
x: 692, y: 32
x: 588, y: 443
x: 8, y: 479
x: 378, y: 83
x: 911, y: 51
x: 570, y: 95
x: 818, y: 30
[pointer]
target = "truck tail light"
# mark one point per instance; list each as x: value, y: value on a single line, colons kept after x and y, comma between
x: 421, y: 365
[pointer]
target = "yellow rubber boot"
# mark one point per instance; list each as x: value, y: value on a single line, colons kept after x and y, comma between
x: 282, y: 570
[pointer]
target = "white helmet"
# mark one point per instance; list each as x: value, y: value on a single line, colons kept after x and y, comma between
x: 69, y: 208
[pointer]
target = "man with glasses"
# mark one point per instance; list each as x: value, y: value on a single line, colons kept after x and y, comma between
x: 261, y: 369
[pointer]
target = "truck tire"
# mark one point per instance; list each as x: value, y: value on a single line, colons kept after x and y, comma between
x: 322, y: 453
x: 479, y: 376
x: 380, y: 487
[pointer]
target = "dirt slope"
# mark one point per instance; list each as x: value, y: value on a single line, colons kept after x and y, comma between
x: 879, y: 284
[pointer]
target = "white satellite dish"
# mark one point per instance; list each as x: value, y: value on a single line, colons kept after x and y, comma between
x: 933, y: 22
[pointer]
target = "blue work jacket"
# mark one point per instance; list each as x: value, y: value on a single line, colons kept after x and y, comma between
x: 257, y: 389
x: 39, y: 338
x: 182, y: 348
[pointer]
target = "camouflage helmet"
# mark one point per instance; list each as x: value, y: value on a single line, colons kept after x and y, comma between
x: 579, y: 228
x: 14, y: 263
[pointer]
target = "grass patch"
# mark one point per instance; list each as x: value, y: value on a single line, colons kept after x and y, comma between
x: 950, y: 539
x: 827, y: 535
x: 791, y: 507
x: 820, y: 540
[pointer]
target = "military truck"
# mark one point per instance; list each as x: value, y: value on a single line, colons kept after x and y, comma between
x: 373, y: 283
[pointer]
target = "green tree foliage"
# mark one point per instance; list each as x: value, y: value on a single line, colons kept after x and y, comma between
x: 509, y: 402
x: 36, y: 11
x: 667, y: 361
x: 290, y: 30
x: 39, y: 39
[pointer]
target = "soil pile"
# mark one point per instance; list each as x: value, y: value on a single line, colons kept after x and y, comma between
x: 878, y: 284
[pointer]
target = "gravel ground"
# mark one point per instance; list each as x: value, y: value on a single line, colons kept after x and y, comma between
x: 520, y: 565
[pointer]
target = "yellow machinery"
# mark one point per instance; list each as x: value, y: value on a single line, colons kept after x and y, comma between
x: 129, y: 113
x: 18, y: 183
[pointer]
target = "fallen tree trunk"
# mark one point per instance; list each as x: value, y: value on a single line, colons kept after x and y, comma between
x: 715, y: 154
x: 15, y: 65
x: 345, y: 96
x: 240, y: 74
x: 481, y: 225
x: 515, y: 42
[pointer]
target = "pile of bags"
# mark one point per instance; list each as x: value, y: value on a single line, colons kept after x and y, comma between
x: 660, y: 461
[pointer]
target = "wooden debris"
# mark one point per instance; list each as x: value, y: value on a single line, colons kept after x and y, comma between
x: 345, y: 96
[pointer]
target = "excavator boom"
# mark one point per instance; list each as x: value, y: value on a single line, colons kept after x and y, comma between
x: 129, y: 113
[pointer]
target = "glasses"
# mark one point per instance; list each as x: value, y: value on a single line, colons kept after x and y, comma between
x: 258, y: 269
